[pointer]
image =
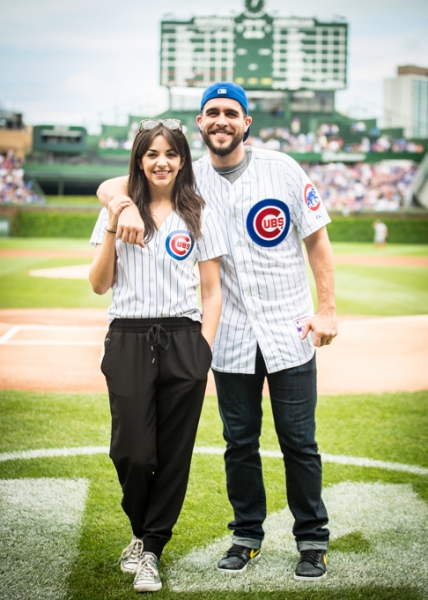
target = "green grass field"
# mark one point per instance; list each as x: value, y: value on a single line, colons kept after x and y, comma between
x: 21, y: 290
x: 388, y: 291
x: 62, y: 528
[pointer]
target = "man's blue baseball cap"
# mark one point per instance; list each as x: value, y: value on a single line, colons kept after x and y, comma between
x: 227, y: 89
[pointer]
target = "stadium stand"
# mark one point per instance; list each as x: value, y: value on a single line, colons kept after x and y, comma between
x: 328, y: 138
x: 356, y: 165
x: 381, y: 187
x: 13, y: 188
x: 15, y: 144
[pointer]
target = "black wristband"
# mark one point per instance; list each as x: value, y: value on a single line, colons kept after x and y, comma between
x: 110, y: 231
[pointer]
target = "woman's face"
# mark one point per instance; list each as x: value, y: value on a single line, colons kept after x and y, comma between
x: 161, y: 164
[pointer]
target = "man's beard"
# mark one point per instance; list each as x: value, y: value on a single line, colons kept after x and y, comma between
x: 223, y: 150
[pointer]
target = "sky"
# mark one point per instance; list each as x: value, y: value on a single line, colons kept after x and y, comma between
x: 86, y: 62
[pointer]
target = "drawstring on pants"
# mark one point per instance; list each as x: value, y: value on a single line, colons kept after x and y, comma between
x: 157, y: 336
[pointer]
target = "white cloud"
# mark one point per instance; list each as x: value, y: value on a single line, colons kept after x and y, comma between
x: 71, y: 58
x: 82, y: 82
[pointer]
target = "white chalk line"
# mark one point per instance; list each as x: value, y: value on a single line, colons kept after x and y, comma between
x: 390, y: 517
x: 7, y: 337
x: 49, y: 343
x: 353, y: 461
x: 41, y: 522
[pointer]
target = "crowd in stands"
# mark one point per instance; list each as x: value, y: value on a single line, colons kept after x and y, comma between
x: 384, y: 186
x: 328, y: 138
x: 353, y: 187
x: 13, y: 188
x: 345, y: 187
x: 112, y: 143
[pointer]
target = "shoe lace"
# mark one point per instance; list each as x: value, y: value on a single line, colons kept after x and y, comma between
x: 146, y: 569
x: 235, y: 550
x: 310, y: 556
x: 133, y: 550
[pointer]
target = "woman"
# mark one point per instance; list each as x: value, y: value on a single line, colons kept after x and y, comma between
x: 157, y: 350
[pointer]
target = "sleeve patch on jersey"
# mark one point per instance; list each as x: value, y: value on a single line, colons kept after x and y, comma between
x: 179, y: 244
x: 268, y: 222
x: 312, y: 199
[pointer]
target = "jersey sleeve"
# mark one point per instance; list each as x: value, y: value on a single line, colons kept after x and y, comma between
x: 99, y: 231
x: 211, y: 244
x: 308, y: 211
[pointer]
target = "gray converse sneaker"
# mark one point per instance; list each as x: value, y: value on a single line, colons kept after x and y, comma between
x: 131, y: 556
x: 147, y: 577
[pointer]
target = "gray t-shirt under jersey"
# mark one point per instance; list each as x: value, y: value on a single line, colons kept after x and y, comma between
x: 233, y: 173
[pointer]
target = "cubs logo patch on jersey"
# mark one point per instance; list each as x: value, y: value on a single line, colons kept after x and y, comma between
x: 312, y: 199
x: 179, y: 244
x: 268, y: 222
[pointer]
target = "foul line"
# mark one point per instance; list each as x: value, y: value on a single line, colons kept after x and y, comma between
x: 353, y: 461
x: 7, y: 337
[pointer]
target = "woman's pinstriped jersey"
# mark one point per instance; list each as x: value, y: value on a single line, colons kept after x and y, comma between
x: 159, y: 280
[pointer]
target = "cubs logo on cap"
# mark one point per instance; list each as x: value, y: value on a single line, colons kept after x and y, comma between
x: 179, y: 244
x: 268, y: 222
x: 227, y: 89
x: 312, y: 199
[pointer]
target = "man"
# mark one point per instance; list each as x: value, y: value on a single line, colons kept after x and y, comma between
x: 268, y: 329
x: 380, y: 233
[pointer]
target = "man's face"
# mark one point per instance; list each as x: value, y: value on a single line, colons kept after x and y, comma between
x: 223, y: 125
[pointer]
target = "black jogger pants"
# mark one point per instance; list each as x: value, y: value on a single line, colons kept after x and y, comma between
x: 156, y: 372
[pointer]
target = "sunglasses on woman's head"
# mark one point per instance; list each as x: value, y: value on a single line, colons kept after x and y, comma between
x: 152, y: 123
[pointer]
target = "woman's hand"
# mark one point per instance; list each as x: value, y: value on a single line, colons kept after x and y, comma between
x: 115, y: 206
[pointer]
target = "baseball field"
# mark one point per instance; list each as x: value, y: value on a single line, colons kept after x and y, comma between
x: 61, y: 525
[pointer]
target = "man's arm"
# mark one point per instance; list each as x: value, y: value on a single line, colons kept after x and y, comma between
x: 111, y: 188
x: 130, y: 227
x: 324, y: 322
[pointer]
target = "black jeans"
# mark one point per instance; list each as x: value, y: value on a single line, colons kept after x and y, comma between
x: 156, y: 372
x: 293, y: 398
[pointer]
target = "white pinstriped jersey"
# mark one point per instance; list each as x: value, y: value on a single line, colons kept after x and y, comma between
x: 264, y: 215
x: 159, y: 280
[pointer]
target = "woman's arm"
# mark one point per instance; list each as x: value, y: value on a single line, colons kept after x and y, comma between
x: 101, y: 273
x: 209, y: 271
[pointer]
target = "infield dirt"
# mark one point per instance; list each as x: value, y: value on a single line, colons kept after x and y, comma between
x: 62, y: 354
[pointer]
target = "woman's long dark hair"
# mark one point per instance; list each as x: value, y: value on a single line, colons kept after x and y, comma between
x: 186, y: 202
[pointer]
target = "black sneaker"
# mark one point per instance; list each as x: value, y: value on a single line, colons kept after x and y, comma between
x: 311, y: 566
x: 237, y: 558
